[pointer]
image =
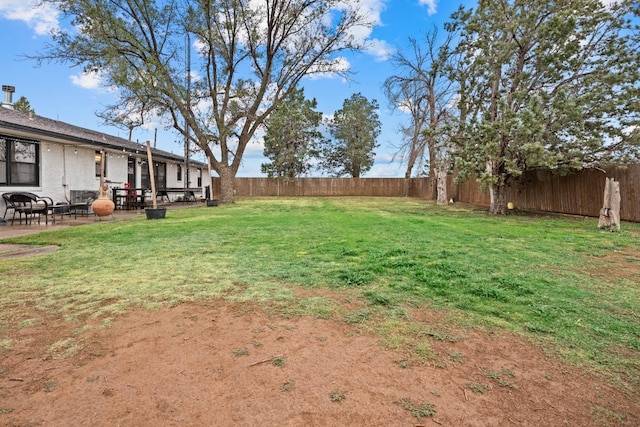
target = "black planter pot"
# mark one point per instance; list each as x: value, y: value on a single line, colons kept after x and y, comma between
x: 155, y: 213
x: 212, y: 202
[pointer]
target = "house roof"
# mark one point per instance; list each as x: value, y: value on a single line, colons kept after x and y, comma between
x: 31, y: 125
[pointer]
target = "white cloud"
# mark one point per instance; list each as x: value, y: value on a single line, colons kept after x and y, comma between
x: 431, y: 6
x: 153, y: 121
x: 380, y: 49
x: 373, y: 9
x: 254, y: 150
x: 370, y: 10
x: 42, y: 19
x: 385, y: 170
x: 87, y: 80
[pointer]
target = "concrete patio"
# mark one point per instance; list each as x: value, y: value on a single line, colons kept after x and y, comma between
x: 9, y: 231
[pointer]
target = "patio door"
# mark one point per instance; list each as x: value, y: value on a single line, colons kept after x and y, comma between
x: 161, y: 175
x: 131, y: 172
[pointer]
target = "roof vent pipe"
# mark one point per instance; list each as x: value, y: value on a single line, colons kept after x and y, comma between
x: 8, y: 96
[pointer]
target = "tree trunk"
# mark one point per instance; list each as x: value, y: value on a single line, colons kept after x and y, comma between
x: 610, y: 212
x: 407, y: 187
x: 605, y: 219
x: 433, y: 171
x: 227, y: 192
x: 498, y: 198
x: 442, y: 198
x: 615, y: 205
x: 411, y: 163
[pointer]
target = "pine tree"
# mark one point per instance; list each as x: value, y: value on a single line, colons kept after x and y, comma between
x: 23, y: 104
x: 355, y: 129
x: 545, y: 85
x: 292, y: 137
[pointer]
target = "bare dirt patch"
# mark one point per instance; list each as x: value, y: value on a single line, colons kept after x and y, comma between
x: 618, y: 265
x: 219, y: 363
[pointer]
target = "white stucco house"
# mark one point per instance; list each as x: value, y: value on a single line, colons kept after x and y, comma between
x: 61, y: 161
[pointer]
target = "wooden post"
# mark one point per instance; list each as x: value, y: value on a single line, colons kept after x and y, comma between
x: 152, y: 175
x: 210, y: 179
x: 102, y: 154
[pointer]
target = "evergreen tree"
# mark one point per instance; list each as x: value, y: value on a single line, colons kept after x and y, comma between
x: 545, y: 85
x: 292, y: 137
x: 23, y: 104
x: 355, y: 129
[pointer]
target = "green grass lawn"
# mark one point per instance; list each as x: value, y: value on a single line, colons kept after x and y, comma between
x: 541, y: 277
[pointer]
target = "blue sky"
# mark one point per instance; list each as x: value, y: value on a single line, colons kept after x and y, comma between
x: 60, y: 92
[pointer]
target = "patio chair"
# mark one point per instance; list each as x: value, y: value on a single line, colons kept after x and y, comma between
x: 82, y: 203
x: 29, y: 205
x: 189, y: 197
x: 13, y: 201
x: 8, y: 205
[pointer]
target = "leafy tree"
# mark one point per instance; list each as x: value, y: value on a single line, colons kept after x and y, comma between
x: 250, y: 56
x: 292, y: 137
x: 23, y: 104
x: 423, y: 89
x: 545, y: 85
x: 355, y: 129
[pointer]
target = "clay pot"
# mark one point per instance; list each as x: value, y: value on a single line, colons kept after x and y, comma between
x: 103, y: 206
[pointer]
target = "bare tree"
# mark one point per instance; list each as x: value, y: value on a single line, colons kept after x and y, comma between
x: 250, y: 56
x: 423, y: 89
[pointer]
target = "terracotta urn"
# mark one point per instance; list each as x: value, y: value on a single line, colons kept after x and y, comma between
x: 103, y: 206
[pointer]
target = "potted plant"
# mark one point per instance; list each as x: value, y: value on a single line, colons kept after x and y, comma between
x: 155, y: 212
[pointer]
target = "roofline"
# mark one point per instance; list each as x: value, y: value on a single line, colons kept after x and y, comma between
x: 62, y: 138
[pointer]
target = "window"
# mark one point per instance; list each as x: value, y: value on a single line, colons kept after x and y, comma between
x: 99, y: 155
x: 19, y: 162
x: 179, y: 172
x: 160, y: 170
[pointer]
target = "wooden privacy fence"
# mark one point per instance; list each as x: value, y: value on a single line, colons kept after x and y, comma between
x: 577, y: 194
x: 581, y: 193
x: 328, y: 187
